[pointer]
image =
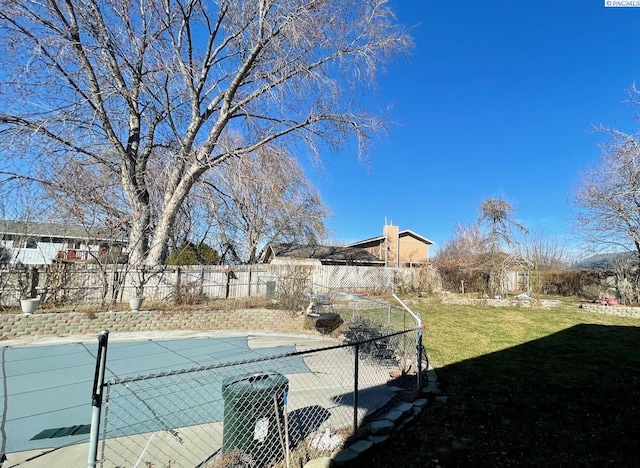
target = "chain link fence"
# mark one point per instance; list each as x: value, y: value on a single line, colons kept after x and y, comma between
x: 275, y: 410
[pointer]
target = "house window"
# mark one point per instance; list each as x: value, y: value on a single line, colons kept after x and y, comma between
x: 31, y: 243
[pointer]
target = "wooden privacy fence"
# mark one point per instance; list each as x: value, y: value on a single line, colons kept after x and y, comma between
x: 90, y: 283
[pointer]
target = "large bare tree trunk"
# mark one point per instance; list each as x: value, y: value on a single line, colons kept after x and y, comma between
x: 156, y: 94
x: 158, y: 250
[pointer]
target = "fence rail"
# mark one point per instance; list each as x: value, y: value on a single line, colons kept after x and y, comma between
x: 276, y: 410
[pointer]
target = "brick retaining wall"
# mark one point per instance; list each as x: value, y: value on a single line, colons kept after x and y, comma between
x: 622, y: 311
x: 75, y: 323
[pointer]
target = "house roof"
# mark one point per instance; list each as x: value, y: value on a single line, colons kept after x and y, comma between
x: 605, y: 261
x: 324, y: 253
x: 42, y: 229
x: 404, y: 232
x: 408, y: 232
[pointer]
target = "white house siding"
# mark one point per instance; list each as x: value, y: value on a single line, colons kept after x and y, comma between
x: 42, y: 255
x: 46, y: 252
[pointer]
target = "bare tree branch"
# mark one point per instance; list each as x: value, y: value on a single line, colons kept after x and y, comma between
x: 155, y: 91
x: 263, y: 198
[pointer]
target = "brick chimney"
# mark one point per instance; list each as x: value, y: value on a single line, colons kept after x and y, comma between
x: 392, y: 245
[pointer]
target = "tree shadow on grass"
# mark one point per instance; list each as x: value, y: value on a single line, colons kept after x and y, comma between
x: 569, y: 399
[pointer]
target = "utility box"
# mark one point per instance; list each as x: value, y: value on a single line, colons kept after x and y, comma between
x: 271, y: 288
x: 254, y: 416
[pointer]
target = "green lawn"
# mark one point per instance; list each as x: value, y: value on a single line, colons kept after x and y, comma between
x: 525, y: 387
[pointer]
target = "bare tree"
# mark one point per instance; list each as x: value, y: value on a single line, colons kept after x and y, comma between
x: 261, y: 198
x: 608, y: 202
x: 88, y: 195
x: 468, y: 242
x: 496, y: 216
x: 608, y: 197
x: 458, y: 259
x: 545, y: 256
x: 121, y: 87
x: 544, y: 250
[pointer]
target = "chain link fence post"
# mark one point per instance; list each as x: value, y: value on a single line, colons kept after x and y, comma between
x: 96, y: 397
x: 355, y: 387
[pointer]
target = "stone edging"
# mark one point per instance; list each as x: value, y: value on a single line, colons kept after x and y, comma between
x: 621, y: 311
x: 15, y: 326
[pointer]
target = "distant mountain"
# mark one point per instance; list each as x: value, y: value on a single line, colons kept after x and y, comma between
x: 606, y: 261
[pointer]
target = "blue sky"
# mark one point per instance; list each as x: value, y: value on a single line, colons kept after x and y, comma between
x: 498, y: 99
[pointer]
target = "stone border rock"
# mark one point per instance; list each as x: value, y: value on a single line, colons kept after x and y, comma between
x: 621, y: 311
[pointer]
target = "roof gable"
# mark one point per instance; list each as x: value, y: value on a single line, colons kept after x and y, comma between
x: 371, y: 240
x: 407, y: 232
x: 380, y: 239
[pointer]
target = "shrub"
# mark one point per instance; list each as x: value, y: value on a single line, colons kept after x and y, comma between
x: 292, y: 286
x: 589, y: 284
x: 454, y: 273
x: 191, y: 254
